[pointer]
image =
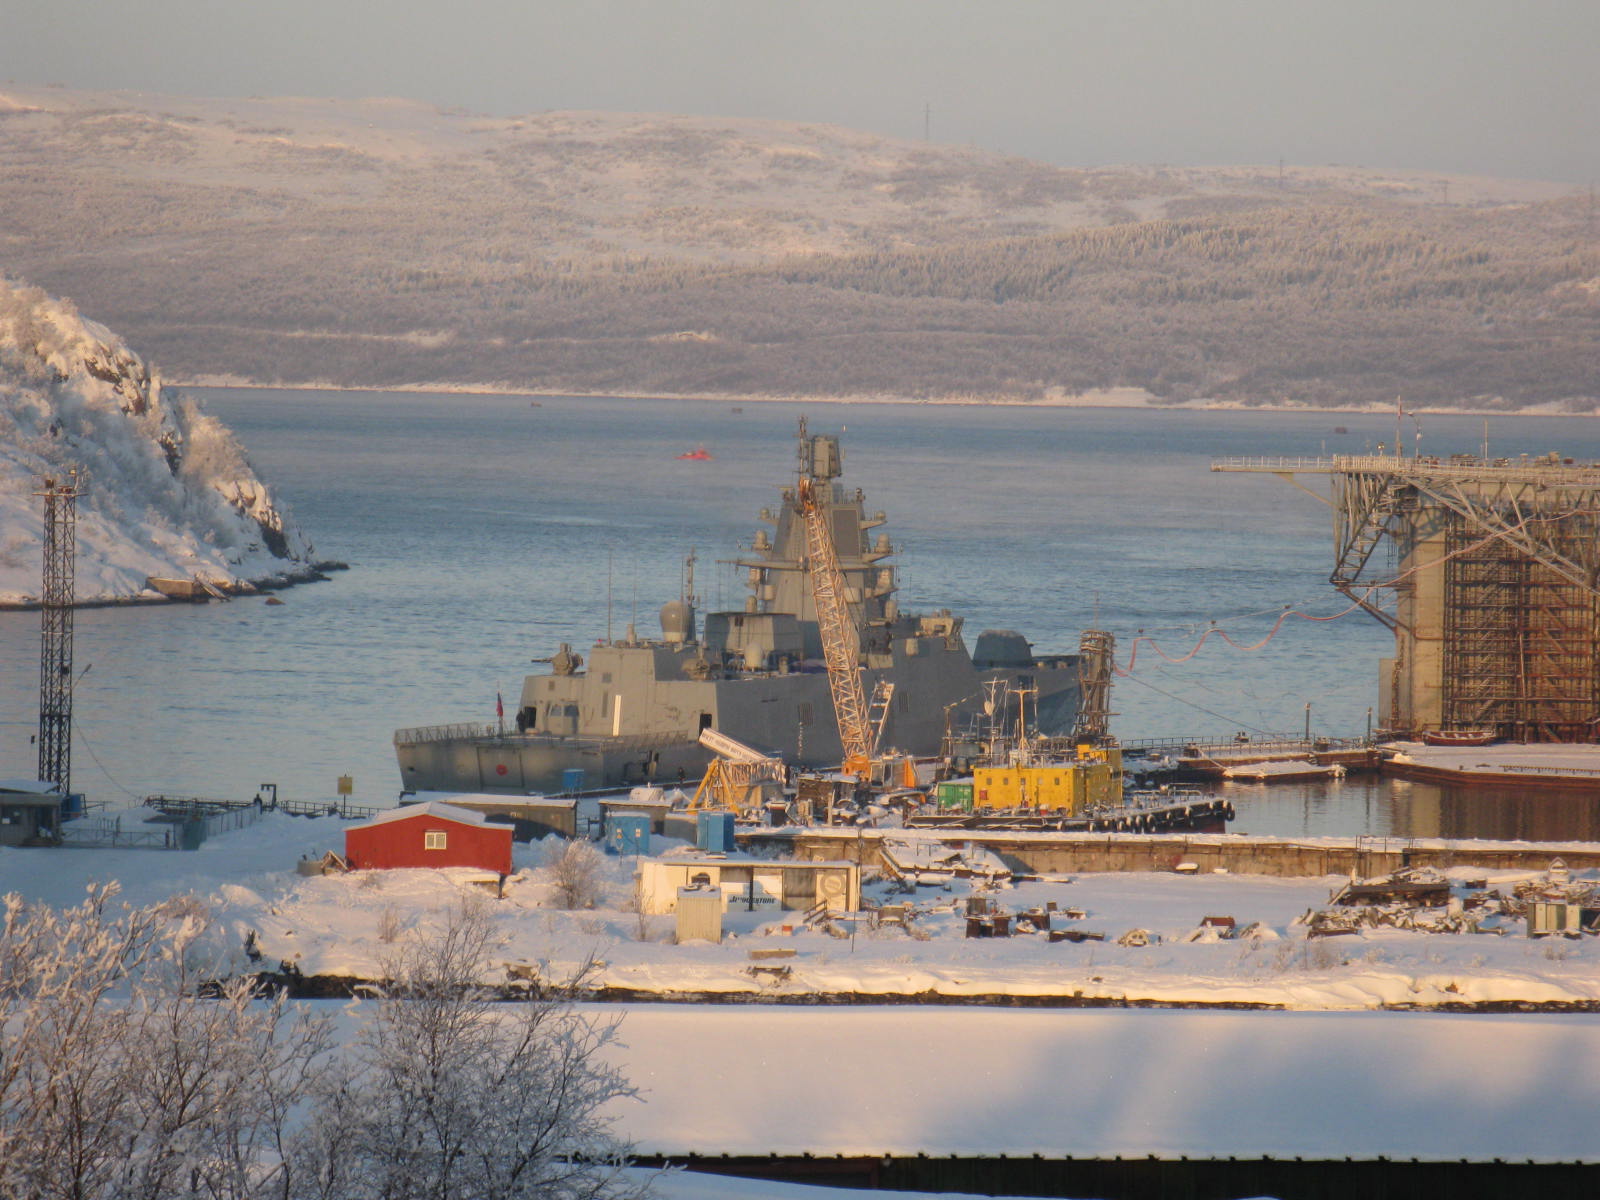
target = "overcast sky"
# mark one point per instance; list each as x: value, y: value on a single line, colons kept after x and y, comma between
x: 1502, y: 87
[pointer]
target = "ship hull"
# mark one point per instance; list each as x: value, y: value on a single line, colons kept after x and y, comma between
x: 790, y: 716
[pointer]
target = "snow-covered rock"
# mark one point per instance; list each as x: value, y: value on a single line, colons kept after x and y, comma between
x: 166, y: 491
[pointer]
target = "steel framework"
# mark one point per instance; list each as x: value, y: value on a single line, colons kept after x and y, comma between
x: 841, y: 638
x: 1096, y: 653
x: 1492, y: 589
x: 55, y: 636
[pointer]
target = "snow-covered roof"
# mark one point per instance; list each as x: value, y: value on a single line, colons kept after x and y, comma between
x: 31, y: 786
x: 428, y: 808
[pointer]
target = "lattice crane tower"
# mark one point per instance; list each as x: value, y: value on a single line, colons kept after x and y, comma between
x: 1491, y: 586
x: 55, y: 640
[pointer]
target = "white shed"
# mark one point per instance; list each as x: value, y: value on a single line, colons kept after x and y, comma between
x: 750, y: 884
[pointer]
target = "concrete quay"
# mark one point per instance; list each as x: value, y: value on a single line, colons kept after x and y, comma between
x: 1236, y: 854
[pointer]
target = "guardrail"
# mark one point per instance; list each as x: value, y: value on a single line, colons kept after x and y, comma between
x: 202, y: 807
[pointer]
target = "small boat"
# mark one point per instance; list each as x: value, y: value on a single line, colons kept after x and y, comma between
x: 698, y: 454
x: 1340, y: 429
x: 1457, y: 737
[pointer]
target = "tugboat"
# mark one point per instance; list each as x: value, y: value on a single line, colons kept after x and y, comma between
x: 634, y: 711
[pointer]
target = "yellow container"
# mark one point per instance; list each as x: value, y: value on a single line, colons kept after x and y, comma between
x: 1067, y: 786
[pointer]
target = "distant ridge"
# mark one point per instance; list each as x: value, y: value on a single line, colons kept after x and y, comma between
x: 384, y: 243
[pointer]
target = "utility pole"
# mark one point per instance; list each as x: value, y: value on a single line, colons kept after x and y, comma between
x: 927, y: 119
x: 55, y: 637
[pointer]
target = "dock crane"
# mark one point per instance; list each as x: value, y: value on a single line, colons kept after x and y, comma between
x: 859, y: 733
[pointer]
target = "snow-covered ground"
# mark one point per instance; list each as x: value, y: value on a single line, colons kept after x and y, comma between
x: 165, y: 490
x: 948, y: 1078
x: 1154, y: 948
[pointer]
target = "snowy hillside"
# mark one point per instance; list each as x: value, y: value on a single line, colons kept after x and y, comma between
x: 388, y: 244
x: 166, y: 490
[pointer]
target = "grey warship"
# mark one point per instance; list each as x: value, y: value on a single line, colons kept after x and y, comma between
x: 633, y: 713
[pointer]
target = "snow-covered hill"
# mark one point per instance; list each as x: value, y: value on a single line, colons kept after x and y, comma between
x: 166, y: 489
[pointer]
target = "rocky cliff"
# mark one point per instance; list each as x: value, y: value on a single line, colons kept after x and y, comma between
x: 166, y: 491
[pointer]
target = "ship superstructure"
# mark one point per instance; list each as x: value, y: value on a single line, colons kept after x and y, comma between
x: 634, y: 710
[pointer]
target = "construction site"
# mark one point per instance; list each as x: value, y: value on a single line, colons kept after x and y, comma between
x: 1485, y: 569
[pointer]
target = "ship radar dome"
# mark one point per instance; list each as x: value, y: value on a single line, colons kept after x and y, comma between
x: 677, y: 622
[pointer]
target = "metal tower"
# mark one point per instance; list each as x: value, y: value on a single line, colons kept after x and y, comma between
x: 1096, y: 653
x: 55, y: 641
x: 1494, y: 578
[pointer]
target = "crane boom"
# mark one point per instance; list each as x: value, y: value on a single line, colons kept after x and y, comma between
x: 841, y: 640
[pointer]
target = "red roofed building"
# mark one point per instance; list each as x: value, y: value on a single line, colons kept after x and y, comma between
x: 429, y: 835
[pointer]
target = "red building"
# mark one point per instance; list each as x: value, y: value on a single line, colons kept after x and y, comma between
x: 429, y: 835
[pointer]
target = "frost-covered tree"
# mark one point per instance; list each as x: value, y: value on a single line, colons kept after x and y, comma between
x: 123, y: 1075
x: 130, y: 1072
x: 451, y: 1094
x: 576, y: 870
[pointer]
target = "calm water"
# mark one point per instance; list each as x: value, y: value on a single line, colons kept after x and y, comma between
x: 481, y: 532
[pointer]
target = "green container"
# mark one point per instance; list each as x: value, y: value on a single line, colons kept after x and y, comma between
x: 954, y: 793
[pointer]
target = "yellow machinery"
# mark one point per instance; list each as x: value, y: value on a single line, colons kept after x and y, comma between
x: 1067, y: 785
x: 735, y: 775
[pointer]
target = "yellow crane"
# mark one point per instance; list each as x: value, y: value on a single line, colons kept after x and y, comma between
x: 841, y: 638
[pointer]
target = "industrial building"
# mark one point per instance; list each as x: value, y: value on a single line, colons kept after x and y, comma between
x: 1488, y: 582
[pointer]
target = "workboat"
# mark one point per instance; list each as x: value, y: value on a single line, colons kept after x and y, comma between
x: 633, y: 712
x: 1459, y: 737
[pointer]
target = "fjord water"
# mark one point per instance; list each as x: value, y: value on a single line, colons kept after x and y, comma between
x: 481, y: 532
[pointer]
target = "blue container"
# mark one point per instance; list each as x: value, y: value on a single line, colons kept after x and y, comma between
x: 572, y: 779
x: 713, y: 831
x: 628, y: 833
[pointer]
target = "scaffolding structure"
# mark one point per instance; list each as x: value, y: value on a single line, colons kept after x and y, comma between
x: 1096, y: 654
x: 1491, y: 586
x: 55, y: 630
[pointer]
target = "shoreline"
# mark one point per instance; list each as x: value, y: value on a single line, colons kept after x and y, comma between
x: 1107, y: 398
x: 149, y: 598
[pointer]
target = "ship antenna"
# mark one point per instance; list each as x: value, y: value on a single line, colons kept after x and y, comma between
x: 689, y: 597
x: 608, y: 597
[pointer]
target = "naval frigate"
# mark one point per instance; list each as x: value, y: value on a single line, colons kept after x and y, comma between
x: 633, y: 713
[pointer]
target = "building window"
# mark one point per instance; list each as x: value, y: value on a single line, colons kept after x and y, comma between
x: 433, y: 839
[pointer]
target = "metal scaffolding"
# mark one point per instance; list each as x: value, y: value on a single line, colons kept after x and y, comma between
x: 55, y: 637
x: 1096, y: 654
x: 1492, y: 586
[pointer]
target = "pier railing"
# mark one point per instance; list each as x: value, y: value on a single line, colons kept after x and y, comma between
x: 423, y: 734
x: 206, y: 808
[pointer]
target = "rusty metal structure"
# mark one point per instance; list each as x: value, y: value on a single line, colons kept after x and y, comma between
x: 1096, y: 654
x: 55, y: 629
x: 1488, y: 573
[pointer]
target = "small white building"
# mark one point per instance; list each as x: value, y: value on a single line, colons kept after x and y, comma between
x: 749, y: 884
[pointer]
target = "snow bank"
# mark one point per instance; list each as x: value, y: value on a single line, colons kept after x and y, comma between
x: 166, y: 490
